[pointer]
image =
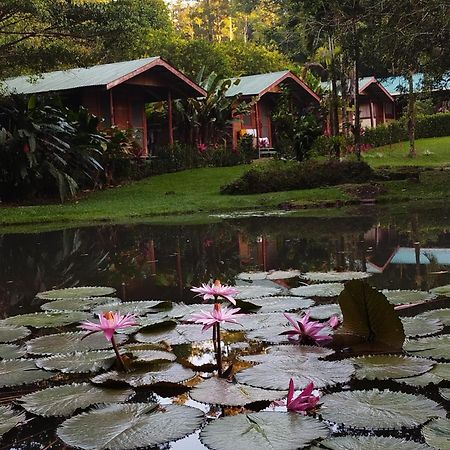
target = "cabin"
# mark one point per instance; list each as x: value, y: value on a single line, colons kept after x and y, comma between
x: 117, y: 92
x: 267, y: 88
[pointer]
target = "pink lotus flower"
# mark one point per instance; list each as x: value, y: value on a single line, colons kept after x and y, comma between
x: 110, y: 322
x: 304, y: 402
x: 215, y: 290
x: 308, y: 331
x: 218, y: 315
x: 334, y: 322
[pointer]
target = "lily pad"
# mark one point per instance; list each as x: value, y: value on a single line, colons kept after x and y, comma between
x: 439, y: 373
x: 384, y: 367
x: 289, y: 351
x: 9, y: 419
x: 323, y: 312
x: 421, y: 326
x: 50, y: 319
x: 70, y: 343
x: 129, y: 426
x: 11, y: 333
x: 173, y: 334
x: 442, y: 290
x: 11, y: 351
x: 369, y: 443
x: 271, y: 335
x: 76, y: 292
x: 252, y: 276
x: 152, y: 355
x: 218, y: 391
x: 379, y: 409
x: 333, y: 276
x: 21, y: 371
x: 276, y: 373
x: 283, y: 303
x: 255, y: 321
x: 140, y: 307
x: 90, y: 361
x: 65, y: 400
x: 79, y: 304
x: 437, y: 433
x: 148, y: 374
x: 442, y: 315
x: 404, y: 297
x: 283, y: 274
x: 263, y: 430
x: 436, y: 347
x: 445, y: 393
x: 319, y: 290
x: 256, y: 291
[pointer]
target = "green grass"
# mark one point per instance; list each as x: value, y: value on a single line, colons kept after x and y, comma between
x: 431, y: 152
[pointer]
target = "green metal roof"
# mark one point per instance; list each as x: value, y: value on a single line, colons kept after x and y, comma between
x: 254, y: 84
x: 63, y: 80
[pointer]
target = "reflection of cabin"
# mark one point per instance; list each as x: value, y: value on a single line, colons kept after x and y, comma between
x: 116, y: 92
x: 267, y: 88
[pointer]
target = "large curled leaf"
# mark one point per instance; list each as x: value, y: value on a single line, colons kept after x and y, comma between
x: 401, y: 297
x: 47, y: 319
x: 76, y: 292
x: 370, y: 321
x: 443, y: 315
x: 79, y: 304
x: 442, y: 290
x: 65, y: 400
x: 79, y: 362
x: 11, y: 351
x: 129, y: 426
x: 9, y: 419
x: 384, y: 367
x: 276, y: 373
x: 319, y: 290
x: 21, y: 371
x: 323, y: 312
x: 333, y: 276
x: 70, y: 343
x: 263, y: 430
x: 279, y: 304
x: 436, y: 347
x: 439, y: 373
x: 437, y: 433
x: 369, y: 443
x: 11, y: 333
x: 218, y: 391
x: 379, y: 409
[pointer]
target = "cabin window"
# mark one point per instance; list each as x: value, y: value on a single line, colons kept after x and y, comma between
x: 364, y: 110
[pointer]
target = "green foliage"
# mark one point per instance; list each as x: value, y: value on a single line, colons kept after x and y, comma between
x: 284, y: 176
x: 331, y: 146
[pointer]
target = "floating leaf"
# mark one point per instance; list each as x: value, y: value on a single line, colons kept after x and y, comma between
x: 255, y: 291
x: 421, y: 326
x: 442, y: 315
x: 271, y: 335
x: 70, y: 343
x: 79, y: 304
x: 256, y: 321
x: 333, y: 276
x: 47, y: 319
x: 172, y: 334
x: 141, y: 307
x: 379, y: 409
x: 369, y: 443
x: 152, y: 355
x: 436, y: 347
x: 384, y: 367
x: 437, y: 433
x: 440, y: 372
x: 21, y: 371
x: 76, y: 292
x: 129, y: 426
x: 289, y: 351
x: 323, y: 312
x: 65, y: 400
x: 280, y: 304
x: 148, y: 374
x: 218, y: 391
x: 11, y: 333
x: 79, y: 362
x: 404, y: 297
x: 442, y: 290
x: 252, y: 276
x: 11, y: 351
x: 263, y: 430
x: 445, y: 393
x: 276, y: 373
x: 319, y: 290
x: 370, y: 321
x: 283, y: 274
x: 9, y: 419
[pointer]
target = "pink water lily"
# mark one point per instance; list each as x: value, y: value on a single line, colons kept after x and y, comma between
x: 217, y: 315
x: 109, y: 323
x: 216, y: 290
x: 304, y: 402
x: 334, y: 322
x: 308, y: 331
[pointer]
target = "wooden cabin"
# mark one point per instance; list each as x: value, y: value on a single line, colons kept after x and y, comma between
x: 117, y: 92
x: 267, y: 88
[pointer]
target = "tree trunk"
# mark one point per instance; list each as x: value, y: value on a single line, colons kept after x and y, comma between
x: 357, y: 125
x: 411, y: 117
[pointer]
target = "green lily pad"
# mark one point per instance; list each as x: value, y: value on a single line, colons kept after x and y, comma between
x: 445, y: 393
x: 437, y: 433
x: 78, y: 362
x: 173, y: 334
x: 21, y: 371
x: 319, y: 290
x: 439, y: 373
x: 384, y: 367
x: 129, y: 426
x: 369, y: 443
x: 271, y: 335
x: 11, y: 333
x: 262, y: 430
x: 283, y: 274
x: 404, y: 297
x: 218, y: 391
x: 11, y: 351
x: 379, y: 409
x: 280, y: 304
x: 421, y: 326
x: 76, y: 292
x: 442, y: 315
x: 436, y: 347
x: 9, y: 419
x: 323, y: 312
x: 139, y: 307
x: 289, y: 351
x: 276, y: 373
x: 255, y: 321
x: 152, y: 355
x: 79, y: 304
x: 333, y: 276
x: 70, y: 343
x: 50, y: 319
x: 256, y: 291
x: 148, y: 374
x: 65, y: 400
x: 252, y: 276
x: 442, y: 290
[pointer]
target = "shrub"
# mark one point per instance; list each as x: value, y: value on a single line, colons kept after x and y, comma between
x: 285, y: 176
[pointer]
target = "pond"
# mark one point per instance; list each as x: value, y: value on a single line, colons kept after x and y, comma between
x: 263, y: 255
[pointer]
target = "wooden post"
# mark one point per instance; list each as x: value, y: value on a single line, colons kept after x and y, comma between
x: 257, y: 126
x: 111, y: 108
x: 169, y: 101
x: 371, y: 113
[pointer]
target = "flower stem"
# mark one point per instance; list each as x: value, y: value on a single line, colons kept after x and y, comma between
x: 214, y: 338
x: 119, y: 358
x: 219, y: 351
